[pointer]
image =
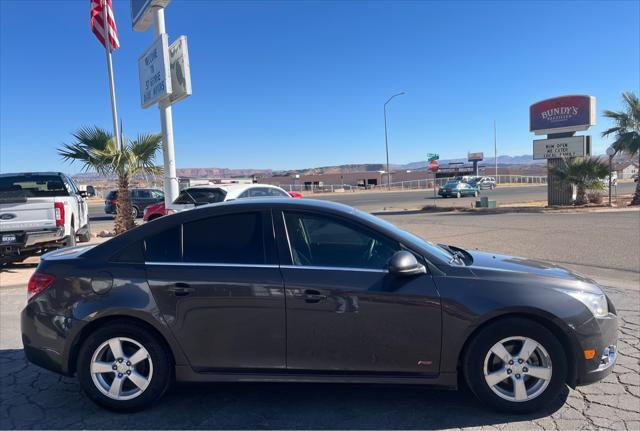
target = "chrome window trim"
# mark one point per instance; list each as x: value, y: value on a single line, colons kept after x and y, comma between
x: 257, y: 265
x: 335, y: 268
x: 229, y: 265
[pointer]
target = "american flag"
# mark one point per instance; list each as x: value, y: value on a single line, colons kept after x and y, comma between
x: 97, y: 23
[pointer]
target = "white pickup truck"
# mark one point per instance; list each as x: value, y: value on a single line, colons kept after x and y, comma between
x: 40, y: 211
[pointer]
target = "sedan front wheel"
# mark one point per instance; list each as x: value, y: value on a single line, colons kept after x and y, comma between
x: 516, y: 365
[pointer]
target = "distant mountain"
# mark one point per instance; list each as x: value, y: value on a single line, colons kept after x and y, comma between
x: 526, y: 159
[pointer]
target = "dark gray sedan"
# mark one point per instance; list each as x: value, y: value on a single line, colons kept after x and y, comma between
x: 306, y: 291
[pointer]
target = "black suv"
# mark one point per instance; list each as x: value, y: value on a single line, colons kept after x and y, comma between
x: 140, y: 199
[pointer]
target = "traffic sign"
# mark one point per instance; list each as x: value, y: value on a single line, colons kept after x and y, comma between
x: 433, y: 156
x: 434, y: 166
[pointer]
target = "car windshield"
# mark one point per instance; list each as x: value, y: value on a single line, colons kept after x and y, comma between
x: 435, y: 250
x: 33, y: 185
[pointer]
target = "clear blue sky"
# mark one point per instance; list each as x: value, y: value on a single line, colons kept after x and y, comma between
x: 300, y: 84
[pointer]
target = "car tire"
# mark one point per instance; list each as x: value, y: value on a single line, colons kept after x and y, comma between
x: 155, y: 372
x: 548, y: 358
x: 70, y: 241
x: 86, y: 236
x: 135, y: 212
x: 458, y: 195
x: 475, y: 194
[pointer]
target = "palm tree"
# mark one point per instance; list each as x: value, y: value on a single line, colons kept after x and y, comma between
x: 584, y: 173
x: 96, y: 149
x: 627, y: 132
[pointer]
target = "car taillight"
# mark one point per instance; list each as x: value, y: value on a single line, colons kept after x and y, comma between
x: 167, y: 212
x: 59, y: 210
x: 113, y: 201
x: 38, y: 282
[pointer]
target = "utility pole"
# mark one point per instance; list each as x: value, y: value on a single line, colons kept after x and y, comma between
x: 386, y: 138
x: 495, y: 148
x: 166, y: 119
x: 610, y: 152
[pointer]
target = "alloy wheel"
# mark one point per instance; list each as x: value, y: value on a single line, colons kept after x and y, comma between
x: 121, y: 368
x: 517, y: 369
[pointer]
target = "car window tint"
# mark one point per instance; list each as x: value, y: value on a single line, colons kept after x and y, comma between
x: 164, y: 246
x: 143, y: 194
x: 183, y: 198
x: 317, y: 240
x: 258, y: 192
x: 132, y: 253
x: 233, y: 238
x: 277, y: 192
x: 206, y: 196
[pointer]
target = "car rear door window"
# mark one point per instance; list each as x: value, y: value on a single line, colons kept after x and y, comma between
x: 233, y: 239
x: 163, y: 246
x: 318, y: 240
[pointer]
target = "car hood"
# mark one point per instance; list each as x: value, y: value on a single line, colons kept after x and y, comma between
x: 520, y: 266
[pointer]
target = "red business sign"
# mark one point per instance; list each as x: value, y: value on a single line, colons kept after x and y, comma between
x: 562, y: 114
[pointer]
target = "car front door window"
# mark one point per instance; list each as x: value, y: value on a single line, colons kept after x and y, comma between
x: 327, y: 242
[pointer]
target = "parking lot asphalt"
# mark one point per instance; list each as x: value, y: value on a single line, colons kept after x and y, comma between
x: 602, y: 245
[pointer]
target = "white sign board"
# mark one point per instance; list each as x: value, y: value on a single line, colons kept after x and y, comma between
x: 573, y: 146
x: 142, y: 11
x: 180, y: 70
x: 475, y: 157
x: 153, y: 69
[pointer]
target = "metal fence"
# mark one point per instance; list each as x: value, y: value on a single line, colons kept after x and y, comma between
x: 407, y: 185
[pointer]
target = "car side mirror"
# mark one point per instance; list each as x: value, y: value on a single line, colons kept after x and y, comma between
x: 403, y: 263
x: 83, y: 194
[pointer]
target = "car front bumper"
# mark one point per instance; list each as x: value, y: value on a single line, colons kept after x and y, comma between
x: 601, y: 335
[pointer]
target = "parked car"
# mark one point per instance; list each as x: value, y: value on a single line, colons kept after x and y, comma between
x: 140, y: 199
x: 301, y: 290
x: 458, y: 189
x: 201, y: 195
x: 40, y: 211
x: 484, y: 183
x: 635, y: 178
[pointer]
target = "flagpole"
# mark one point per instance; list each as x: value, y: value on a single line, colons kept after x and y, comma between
x: 107, y: 46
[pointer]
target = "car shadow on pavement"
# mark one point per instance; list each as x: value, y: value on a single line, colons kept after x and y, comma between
x: 12, y: 268
x: 31, y: 397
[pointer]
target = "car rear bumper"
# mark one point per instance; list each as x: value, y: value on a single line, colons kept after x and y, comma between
x: 47, y: 338
x: 30, y: 241
x: 601, y: 335
x: 110, y: 209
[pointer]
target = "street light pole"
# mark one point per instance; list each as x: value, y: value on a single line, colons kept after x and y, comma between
x: 386, y: 138
x: 610, y: 152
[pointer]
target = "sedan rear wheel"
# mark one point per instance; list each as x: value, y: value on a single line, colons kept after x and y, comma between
x: 124, y: 367
x: 516, y: 365
x: 458, y: 194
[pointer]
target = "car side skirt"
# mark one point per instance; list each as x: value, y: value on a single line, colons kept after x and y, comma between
x: 185, y: 373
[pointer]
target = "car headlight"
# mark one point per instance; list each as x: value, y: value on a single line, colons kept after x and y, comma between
x: 595, y: 302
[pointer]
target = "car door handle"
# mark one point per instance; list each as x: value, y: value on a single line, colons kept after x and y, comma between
x: 312, y: 296
x: 181, y: 289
